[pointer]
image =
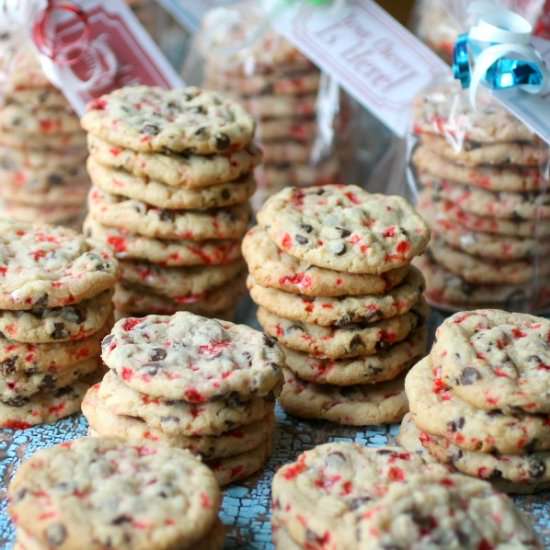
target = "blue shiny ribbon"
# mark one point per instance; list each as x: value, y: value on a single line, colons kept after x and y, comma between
x: 497, y: 53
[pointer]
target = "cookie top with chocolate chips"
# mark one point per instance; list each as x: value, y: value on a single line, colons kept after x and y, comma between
x: 329, y: 488
x: 192, y: 358
x: 496, y: 360
x: 345, y: 228
x: 43, y: 266
x: 99, y: 493
x: 188, y: 120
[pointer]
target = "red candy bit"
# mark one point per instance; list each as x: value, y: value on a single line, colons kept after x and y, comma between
x: 518, y: 333
x: 214, y: 348
x: 396, y: 474
x: 205, y: 501
x: 143, y: 450
x: 38, y: 254
x: 347, y: 487
x: 130, y: 323
x: 190, y: 298
x: 447, y: 482
x: 193, y: 396
x: 16, y: 425
x: 118, y: 243
x: 403, y: 247
x: 56, y: 409
x: 294, y: 470
x: 389, y: 232
x: 327, y: 482
x: 352, y: 197
x: 115, y: 151
x: 236, y: 471
x: 300, y: 280
x: 151, y: 437
x: 286, y: 242
x: 485, y: 545
x: 3, y: 270
x: 127, y: 374
x: 98, y: 104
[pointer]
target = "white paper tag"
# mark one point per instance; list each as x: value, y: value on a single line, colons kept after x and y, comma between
x: 371, y: 55
x: 104, y: 50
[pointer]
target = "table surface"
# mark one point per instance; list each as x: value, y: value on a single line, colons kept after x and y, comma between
x: 246, y: 507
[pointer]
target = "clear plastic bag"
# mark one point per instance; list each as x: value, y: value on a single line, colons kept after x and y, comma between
x: 42, y: 147
x: 306, y: 125
x: 438, y: 22
x: 480, y: 178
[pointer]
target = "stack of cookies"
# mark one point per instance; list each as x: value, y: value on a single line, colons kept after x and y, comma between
x: 106, y: 493
x: 480, y: 402
x: 346, y: 496
x: 330, y: 271
x: 186, y: 381
x: 172, y: 174
x: 299, y: 111
x: 42, y: 147
x: 55, y: 308
x: 483, y: 189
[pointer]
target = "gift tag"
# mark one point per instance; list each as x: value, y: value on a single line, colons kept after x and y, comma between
x: 94, y: 47
x: 370, y: 54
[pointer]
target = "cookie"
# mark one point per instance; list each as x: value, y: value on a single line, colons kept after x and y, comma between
x: 489, y: 204
x: 366, y: 405
x: 446, y: 111
x: 46, y: 97
x: 471, y: 153
x: 18, y: 119
x: 240, y: 440
x: 46, y: 325
x: 493, y: 178
x: 166, y: 492
x: 450, y: 291
x: 45, y: 407
x: 46, y: 266
x: 26, y: 368
x: 188, y: 120
x: 513, y: 227
x: 477, y: 243
x: 345, y: 228
x: 278, y: 152
x: 192, y: 358
x: 343, y: 310
x: 445, y: 511
x: 143, y: 219
x: 280, y: 106
x: 348, y: 479
x: 176, y: 417
x: 35, y: 160
x: 529, y: 470
x: 280, y: 536
x: 438, y: 410
x: 154, y: 193
x: 496, y: 360
x: 297, y: 83
x: 370, y: 369
x: 44, y: 142
x: 42, y: 179
x: 187, y: 171
x: 139, y: 300
x: 185, y: 285
x: 235, y: 468
x: 273, y: 268
x: 409, y: 440
x: 49, y: 214
x: 487, y: 271
x: 73, y: 195
x: 292, y: 128
x: 347, y: 341
x: 275, y: 178
x: 169, y: 253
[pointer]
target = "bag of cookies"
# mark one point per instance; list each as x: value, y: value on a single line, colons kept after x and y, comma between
x: 439, y: 23
x: 305, y: 122
x: 480, y: 177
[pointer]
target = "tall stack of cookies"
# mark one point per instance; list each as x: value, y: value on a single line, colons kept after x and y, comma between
x: 480, y: 401
x: 172, y: 174
x: 55, y: 308
x: 299, y: 111
x: 186, y: 381
x: 483, y: 189
x: 330, y: 271
x: 42, y: 147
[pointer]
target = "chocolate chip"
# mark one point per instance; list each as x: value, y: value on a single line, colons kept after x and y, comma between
x: 123, y: 518
x: 20, y: 495
x: 158, y: 354
x: 343, y: 232
x: 537, y: 468
x: 300, y: 239
x: 226, y: 194
x: 55, y: 179
x: 306, y: 227
x: 18, y: 401
x: 531, y: 447
x: 56, y: 534
x: 47, y: 383
x: 42, y: 301
x: 73, y: 314
x: 7, y: 366
x: 269, y: 341
x: 469, y: 376
x: 167, y: 215
x: 59, y: 331
x: 107, y: 340
x: 222, y: 141
x: 495, y: 475
x: 201, y: 130
x: 248, y: 357
x: 150, y: 129
x: 198, y: 110
x: 358, y: 502
x: 339, y: 249
x: 456, y: 425
x: 356, y: 342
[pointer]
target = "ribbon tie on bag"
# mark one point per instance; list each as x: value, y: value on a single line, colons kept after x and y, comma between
x: 498, y: 53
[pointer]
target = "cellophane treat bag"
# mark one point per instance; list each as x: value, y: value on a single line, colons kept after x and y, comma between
x: 305, y: 122
x: 439, y: 22
x: 480, y: 177
x: 42, y: 147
